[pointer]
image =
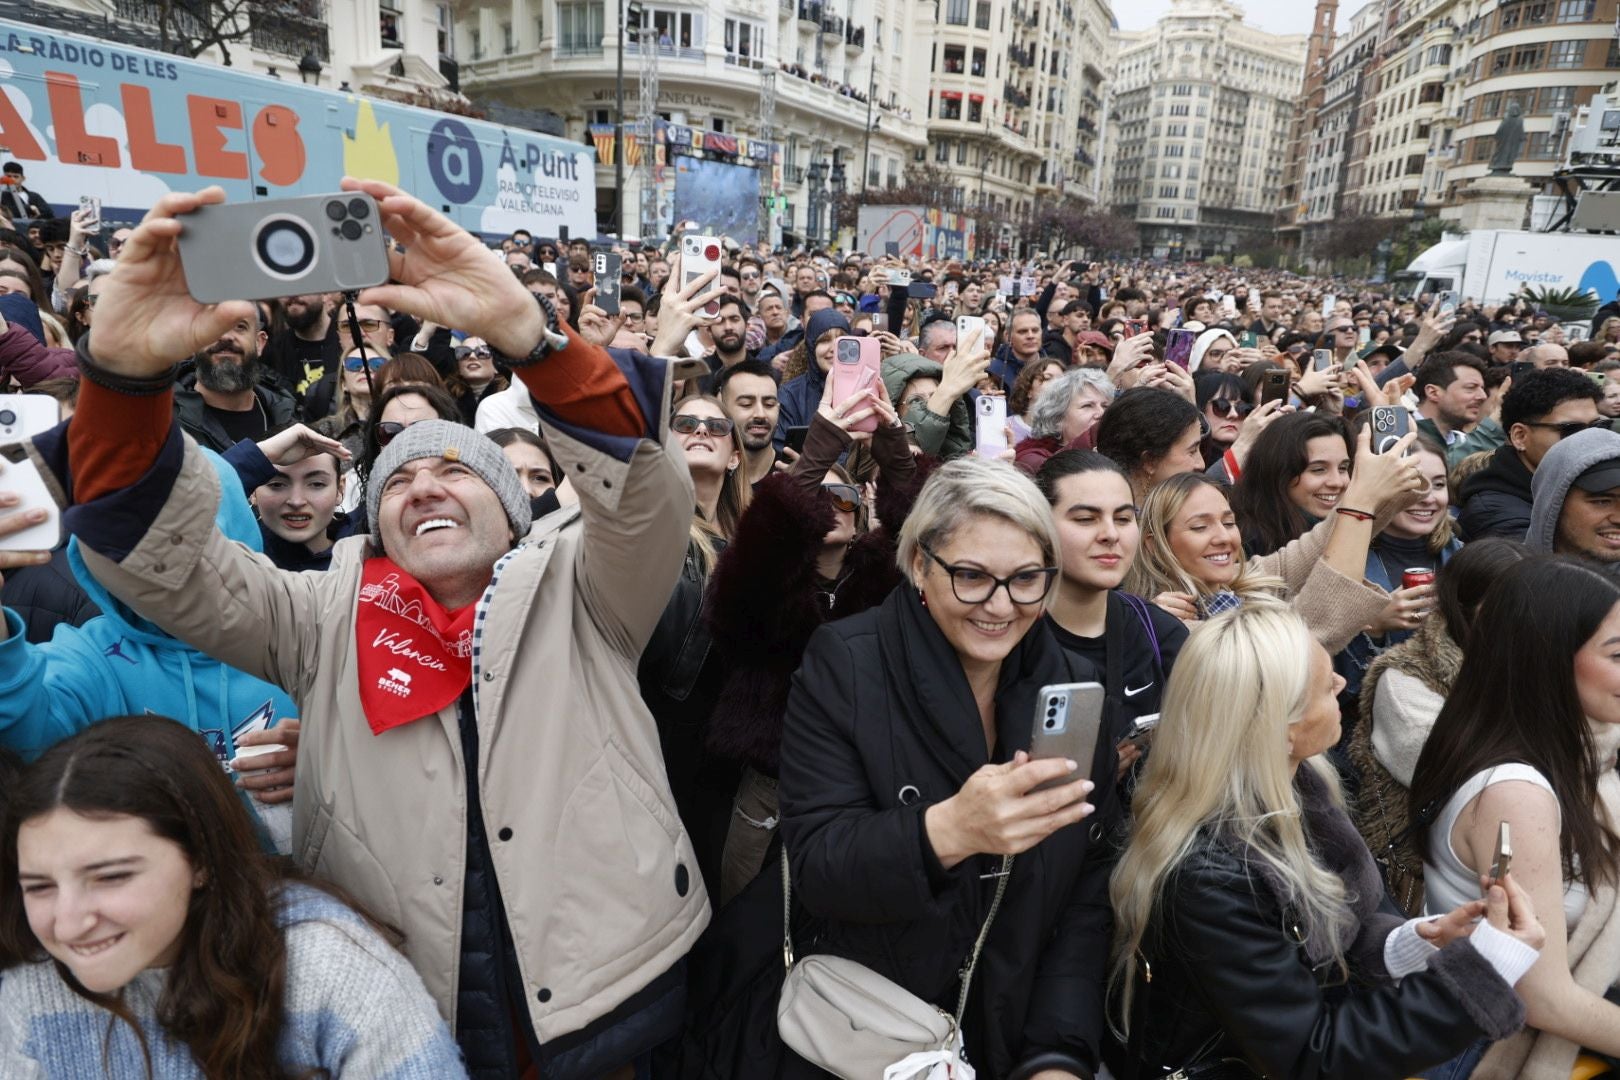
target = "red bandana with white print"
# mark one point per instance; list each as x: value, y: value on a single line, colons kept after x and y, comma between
x: 414, y: 656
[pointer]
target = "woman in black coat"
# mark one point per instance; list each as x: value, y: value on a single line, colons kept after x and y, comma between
x: 1250, y: 939
x: 905, y: 778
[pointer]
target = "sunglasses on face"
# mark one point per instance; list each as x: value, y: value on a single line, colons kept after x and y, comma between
x: 1574, y: 427
x: 482, y: 352
x: 718, y: 426
x: 358, y: 363
x: 387, y: 430
x: 1229, y: 408
x: 845, y: 498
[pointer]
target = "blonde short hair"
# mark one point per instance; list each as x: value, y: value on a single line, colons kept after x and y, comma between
x: 968, y: 488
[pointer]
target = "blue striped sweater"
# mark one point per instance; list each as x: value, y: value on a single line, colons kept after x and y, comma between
x: 354, y: 1007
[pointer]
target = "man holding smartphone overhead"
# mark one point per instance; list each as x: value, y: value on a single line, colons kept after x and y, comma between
x: 476, y: 804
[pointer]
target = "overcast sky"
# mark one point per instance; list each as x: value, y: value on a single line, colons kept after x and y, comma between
x: 1277, y: 16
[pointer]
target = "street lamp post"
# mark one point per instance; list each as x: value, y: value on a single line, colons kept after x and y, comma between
x: 840, y: 185
x: 813, y: 177
x: 633, y: 8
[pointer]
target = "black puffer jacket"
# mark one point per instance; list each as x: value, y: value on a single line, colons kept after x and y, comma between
x: 46, y: 596
x: 1230, y: 981
x: 882, y: 724
x: 1496, y: 500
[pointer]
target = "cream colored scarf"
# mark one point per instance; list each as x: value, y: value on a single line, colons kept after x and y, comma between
x: 1594, y: 958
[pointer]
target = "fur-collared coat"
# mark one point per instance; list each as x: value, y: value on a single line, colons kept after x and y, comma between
x: 766, y: 599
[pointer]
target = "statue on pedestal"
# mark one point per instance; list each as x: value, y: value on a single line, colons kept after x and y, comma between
x: 1509, y: 141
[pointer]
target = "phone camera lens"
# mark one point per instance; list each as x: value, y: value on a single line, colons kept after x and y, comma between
x: 7, y: 418
x: 351, y: 230
x: 358, y: 208
x: 286, y: 247
x: 336, y: 210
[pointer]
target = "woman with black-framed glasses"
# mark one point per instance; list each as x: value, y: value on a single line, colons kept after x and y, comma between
x: 906, y: 785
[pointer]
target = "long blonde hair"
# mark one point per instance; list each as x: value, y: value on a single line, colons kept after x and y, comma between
x: 1156, y: 570
x: 735, y: 493
x: 1220, y: 769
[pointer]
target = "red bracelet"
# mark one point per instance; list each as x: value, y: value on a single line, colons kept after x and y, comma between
x: 1359, y: 515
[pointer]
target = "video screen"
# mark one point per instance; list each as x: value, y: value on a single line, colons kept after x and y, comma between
x: 721, y: 198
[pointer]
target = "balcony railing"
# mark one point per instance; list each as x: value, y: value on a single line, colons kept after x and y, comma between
x: 290, y: 28
x: 855, y: 36
x: 832, y: 25
x: 810, y: 12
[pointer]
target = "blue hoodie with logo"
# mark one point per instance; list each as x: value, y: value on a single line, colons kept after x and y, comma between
x: 119, y: 664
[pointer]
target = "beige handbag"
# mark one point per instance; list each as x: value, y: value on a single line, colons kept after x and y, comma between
x: 858, y: 1025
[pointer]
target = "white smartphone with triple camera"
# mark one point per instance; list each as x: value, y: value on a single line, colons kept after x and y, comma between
x: 23, y: 416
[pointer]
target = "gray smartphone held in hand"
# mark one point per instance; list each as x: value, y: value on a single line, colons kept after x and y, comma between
x: 1390, y: 424
x: 606, y: 265
x: 1068, y: 721
x: 281, y: 247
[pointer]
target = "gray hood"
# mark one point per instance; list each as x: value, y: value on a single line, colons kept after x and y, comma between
x: 1553, y: 477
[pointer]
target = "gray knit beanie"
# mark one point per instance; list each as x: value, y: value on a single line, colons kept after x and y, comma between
x: 452, y: 442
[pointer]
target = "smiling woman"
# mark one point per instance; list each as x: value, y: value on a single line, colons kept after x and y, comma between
x: 906, y: 784
x: 134, y: 898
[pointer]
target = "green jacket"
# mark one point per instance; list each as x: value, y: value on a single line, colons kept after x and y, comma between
x: 1487, y: 435
x: 943, y: 437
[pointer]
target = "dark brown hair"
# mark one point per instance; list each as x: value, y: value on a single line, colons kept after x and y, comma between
x: 1268, y: 517
x: 224, y: 994
x: 1515, y: 700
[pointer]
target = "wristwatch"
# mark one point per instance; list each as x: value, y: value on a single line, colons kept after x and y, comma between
x: 550, y: 340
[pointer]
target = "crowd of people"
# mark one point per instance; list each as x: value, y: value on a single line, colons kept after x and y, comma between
x: 458, y: 678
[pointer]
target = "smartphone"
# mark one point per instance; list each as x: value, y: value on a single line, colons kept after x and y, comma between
x: 795, y: 437
x: 1142, y: 730
x: 1502, y: 861
x: 900, y: 275
x: 1321, y: 359
x: 694, y: 367
x: 1229, y: 305
x: 562, y: 234
x: 21, y: 477
x: 699, y: 256
x: 1598, y: 377
x: 922, y: 290
x: 880, y: 322
x: 1274, y: 386
x: 1328, y: 302
x: 1248, y: 339
x: 1390, y: 424
x: 1178, y: 347
x: 1068, y: 722
x: 892, y: 249
x: 606, y: 265
x: 1574, y: 332
x: 1174, y: 314
x: 1520, y: 368
x: 967, y: 325
x: 1364, y: 337
x: 990, y: 425
x: 1449, y: 300
x: 91, y: 205
x: 282, y: 247
x: 855, y: 366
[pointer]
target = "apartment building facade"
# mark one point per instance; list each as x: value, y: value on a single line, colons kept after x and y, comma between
x: 1202, y: 116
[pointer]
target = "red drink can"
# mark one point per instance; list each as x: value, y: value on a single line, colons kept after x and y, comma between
x: 1415, y: 576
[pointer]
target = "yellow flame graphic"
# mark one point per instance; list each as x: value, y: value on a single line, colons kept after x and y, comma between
x: 369, y: 152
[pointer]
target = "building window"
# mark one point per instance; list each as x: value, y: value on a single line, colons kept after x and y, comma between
x: 956, y: 12
x: 579, y: 26
x: 961, y: 152
x: 675, y: 28
x: 1555, y: 98
x: 976, y: 111
x: 1566, y: 54
x: 446, y: 30
x: 508, y: 45
x: 1576, y: 10
x: 955, y: 59
x: 745, y: 43
x: 942, y: 151
x: 950, y: 108
x: 981, y: 15
x: 978, y: 63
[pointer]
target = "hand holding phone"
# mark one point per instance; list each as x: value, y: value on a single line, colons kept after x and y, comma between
x: 856, y: 366
x: 606, y: 266
x: 264, y: 250
x: 1390, y: 424
x: 1502, y: 858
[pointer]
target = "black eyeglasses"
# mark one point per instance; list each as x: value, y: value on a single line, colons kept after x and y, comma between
x: 1228, y: 407
x: 970, y: 585
x: 718, y: 426
x: 387, y: 430
x: 845, y: 498
x: 1574, y: 427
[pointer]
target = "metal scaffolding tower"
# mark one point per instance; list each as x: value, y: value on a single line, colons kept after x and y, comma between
x: 647, y: 123
x: 767, y: 135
